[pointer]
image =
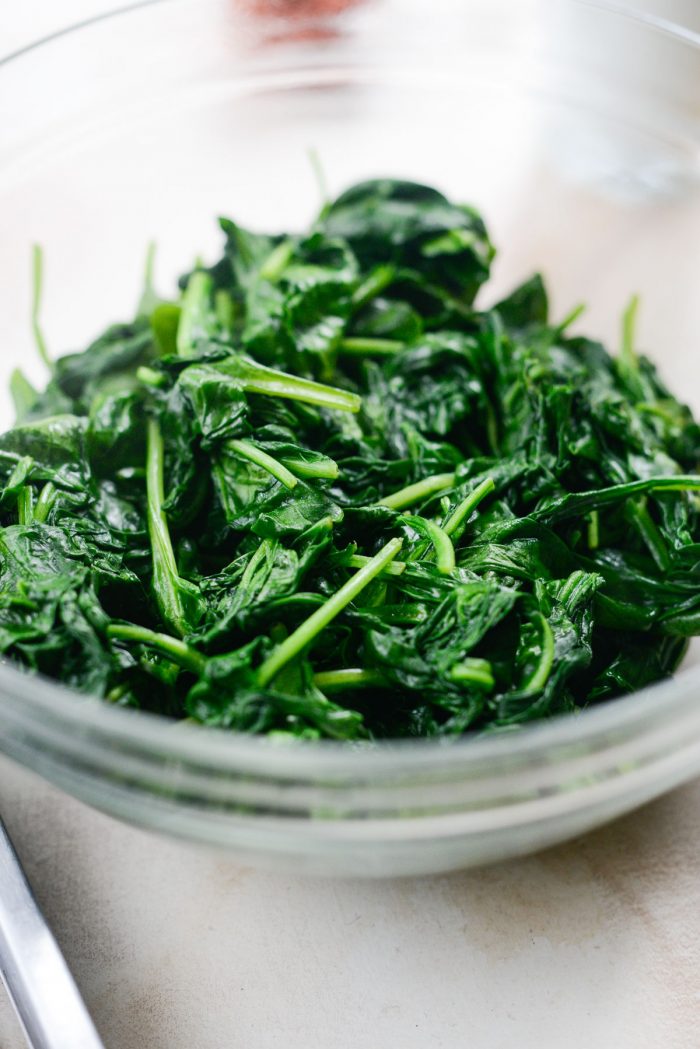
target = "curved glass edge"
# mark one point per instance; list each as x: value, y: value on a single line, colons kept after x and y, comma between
x: 40, y: 708
x: 647, y: 18
x: 202, y: 801
x: 74, y: 27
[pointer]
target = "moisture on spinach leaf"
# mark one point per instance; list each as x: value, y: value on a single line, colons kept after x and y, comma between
x: 321, y: 493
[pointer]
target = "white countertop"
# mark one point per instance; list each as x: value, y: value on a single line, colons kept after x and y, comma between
x: 592, y: 944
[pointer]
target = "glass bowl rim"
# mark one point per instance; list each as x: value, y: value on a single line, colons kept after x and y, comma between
x: 156, y: 737
x: 209, y: 745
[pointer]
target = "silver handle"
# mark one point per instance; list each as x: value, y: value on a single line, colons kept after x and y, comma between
x: 33, y: 969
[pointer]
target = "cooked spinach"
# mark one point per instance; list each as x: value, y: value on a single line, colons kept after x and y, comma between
x: 322, y: 494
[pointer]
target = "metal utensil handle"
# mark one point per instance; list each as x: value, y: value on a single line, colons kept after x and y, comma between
x: 33, y: 969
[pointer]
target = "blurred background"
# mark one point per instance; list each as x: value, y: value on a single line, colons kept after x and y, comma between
x: 21, y: 24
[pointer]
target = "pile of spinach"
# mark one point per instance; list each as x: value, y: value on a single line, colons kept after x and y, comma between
x: 323, y: 495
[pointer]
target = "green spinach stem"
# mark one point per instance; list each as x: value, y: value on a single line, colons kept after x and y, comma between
x: 393, y: 568
x: 571, y: 318
x: 149, y: 298
x: 195, y: 311
x: 324, y: 469
x: 415, y: 493
x: 362, y: 347
x: 257, y: 378
x: 47, y: 497
x: 277, y: 261
x: 320, y: 619
x: 379, y: 279
x: 440, y: 540
x: 628, y: 355
x: 540, y: 675
x: 166, y: 582
x: 150, y: 377
x: 639, y: 512
x: 475, y: 672
x: 593, y: 530
x: 25, y: 504
x: 352, y: 677
x: 184, y: 655
x: 37, y: 286
x: 464, y: 510
x: 256, y: 455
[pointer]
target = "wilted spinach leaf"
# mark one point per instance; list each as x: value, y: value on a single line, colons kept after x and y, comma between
x: 320, y: 494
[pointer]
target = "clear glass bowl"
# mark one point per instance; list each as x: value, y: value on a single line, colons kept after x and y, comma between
x: 574, y: 127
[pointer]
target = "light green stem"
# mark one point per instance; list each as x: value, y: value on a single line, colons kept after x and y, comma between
x: 682, y: 483
x: 650, y: 534
x: 47, y: 498
x: 224, y: 309
x: 277, y: 261
x: 442, y: 544
x: 25, y: 504
x: 415, y: 493
x: 352, y: 677
x: 322, y: 468
x: 359, y: 347
x: 463, y: 510
x: 593, y: 530
x: 195, y: 311
x: 252, y: 566
x: 20, y: 472
x: 184, y: 655
x: 165, y: 573
x: 116, y: 693
x: 571, y: 317
x: 265, y: 461
x: 477, y: 672
x: 318, y: 620
x: 629, y: 324
x: 150, y: 377
x: 257, y: 378
x: 37, y: 284
x: 375, y: 283
x: 393, y: 568
x: 149, y: 299
x: 540, y: 675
